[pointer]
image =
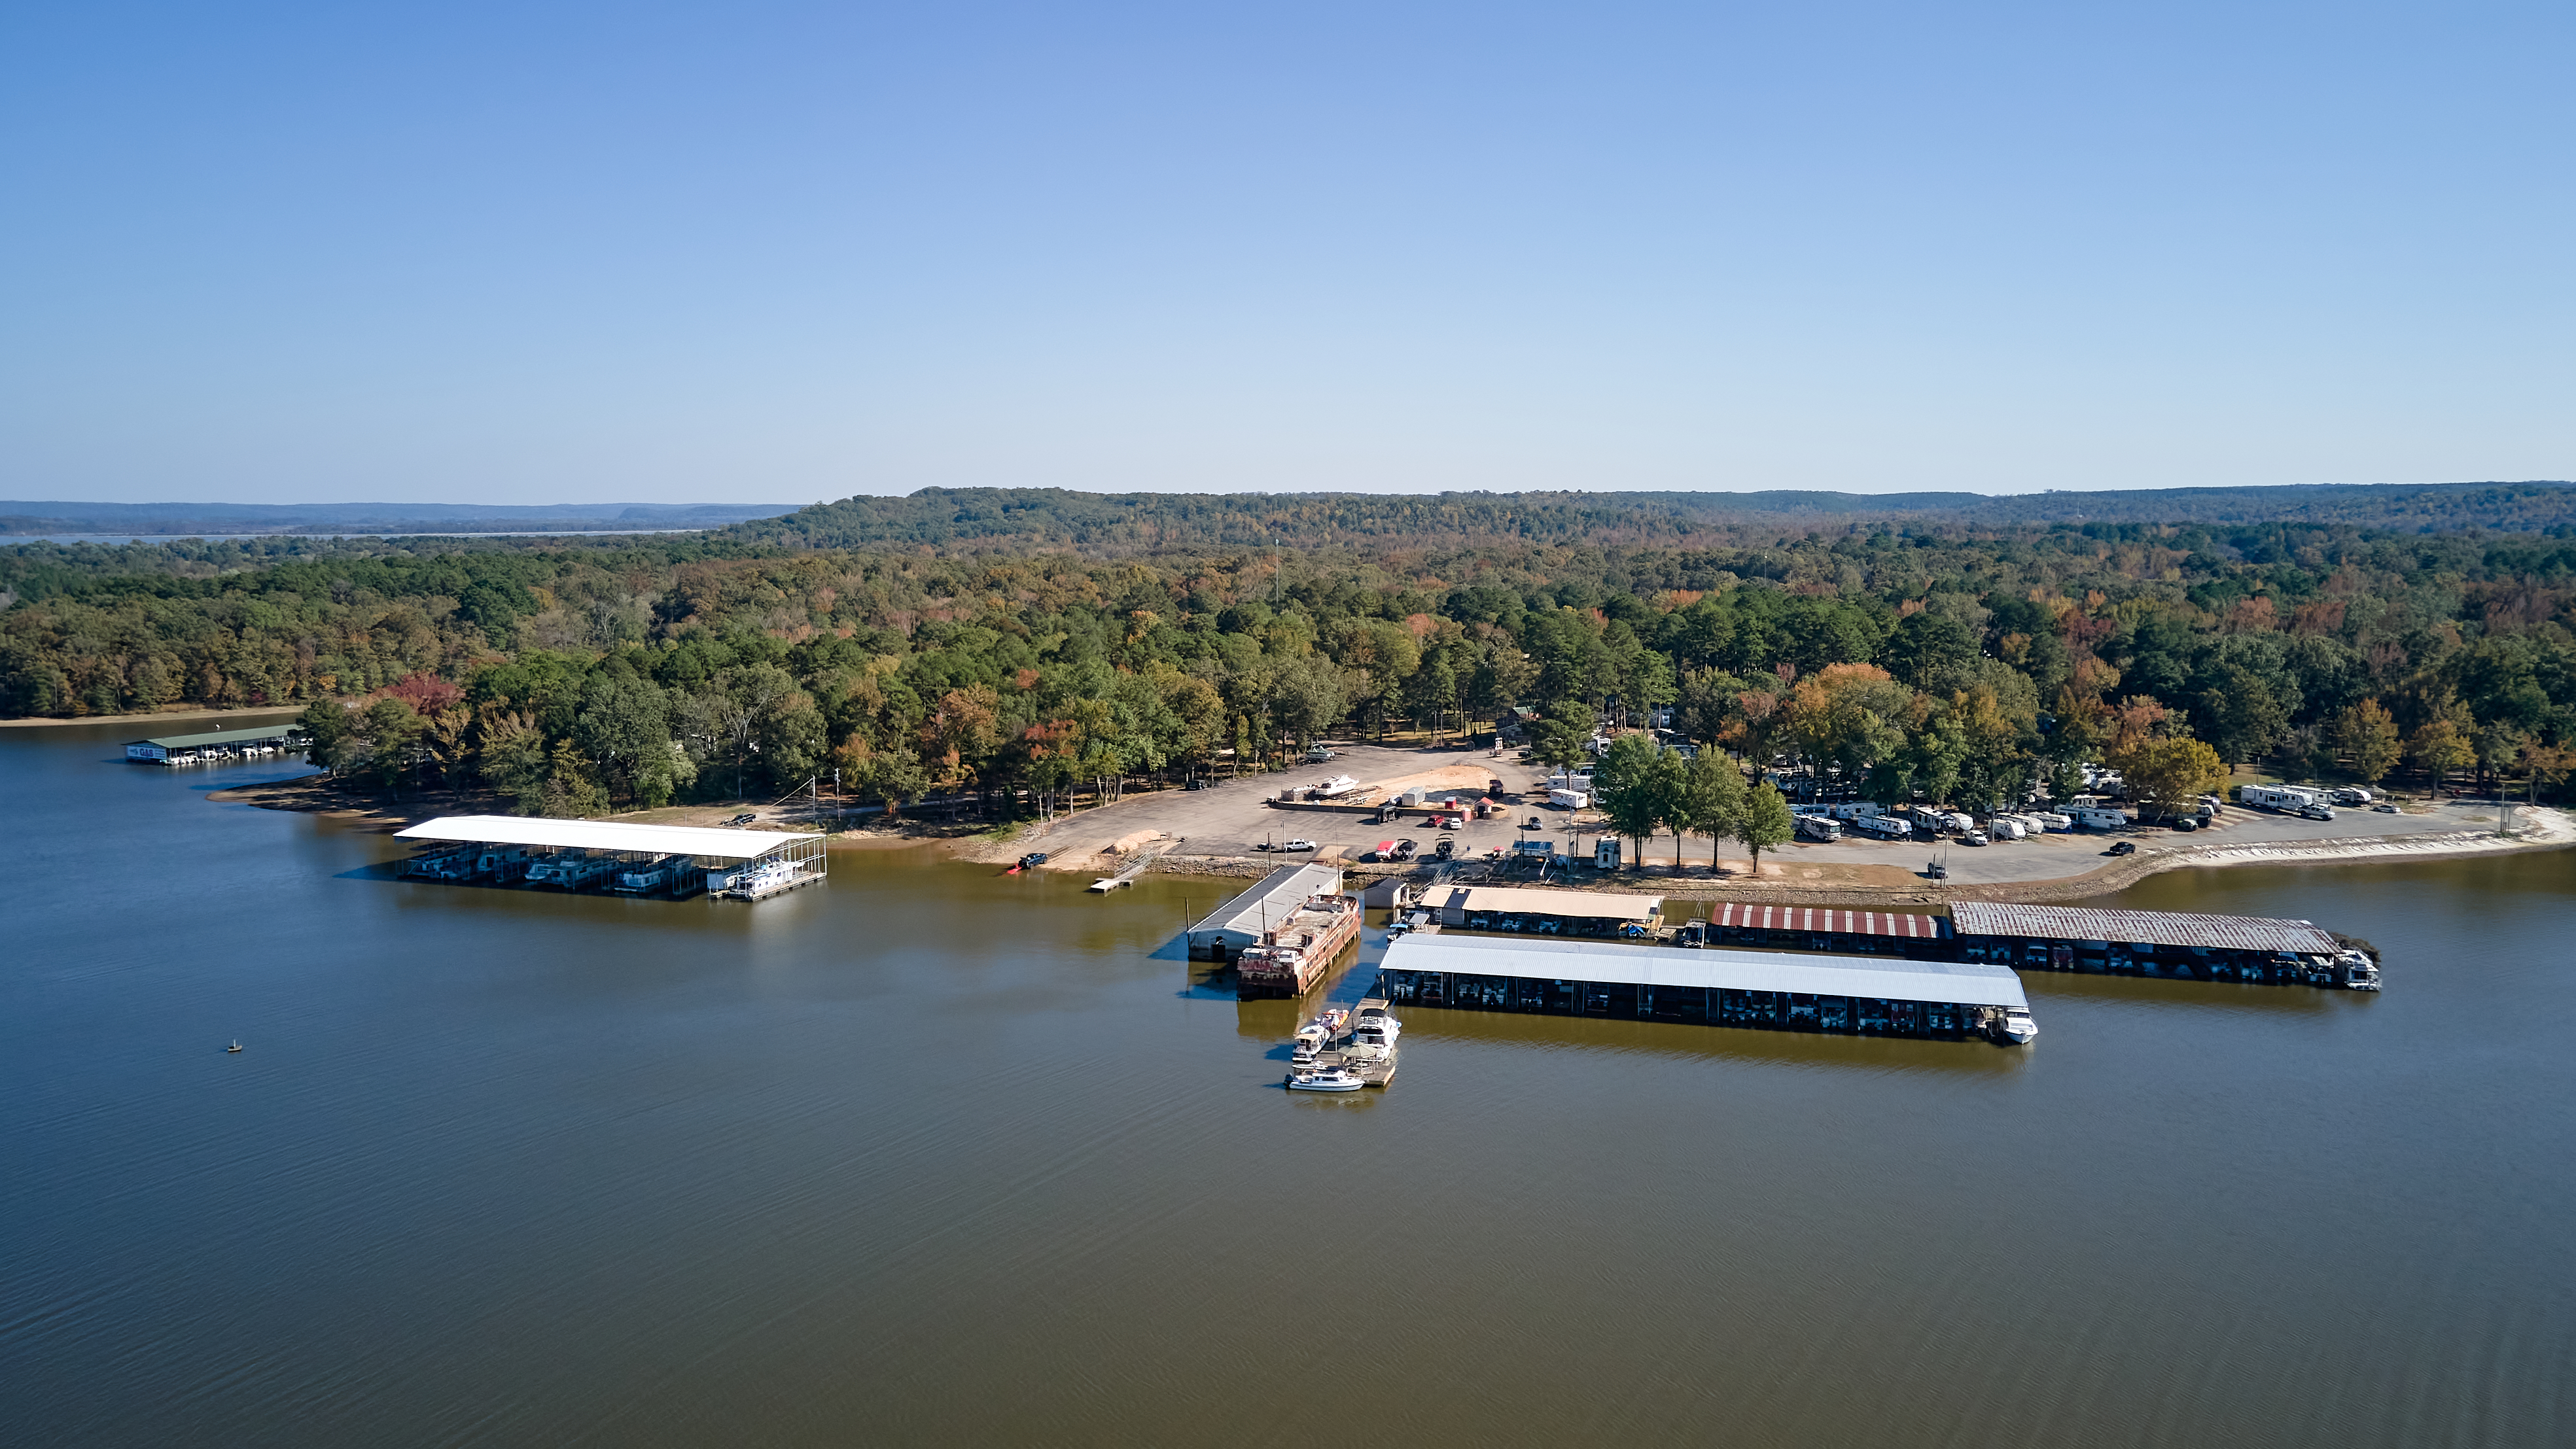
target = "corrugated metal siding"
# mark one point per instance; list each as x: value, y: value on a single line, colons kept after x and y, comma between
x: 1817, y: 918
x: 2160, y: 928
x: 1969, y: 983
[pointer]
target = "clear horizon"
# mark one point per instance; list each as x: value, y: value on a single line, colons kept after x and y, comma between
x: 653, y: 254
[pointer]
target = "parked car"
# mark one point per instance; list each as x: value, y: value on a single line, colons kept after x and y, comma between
x: 2122, y: 847
x: 1298, y: 845
x: 2385, y: 807
x: 745, y: 818
x: 1975, y: 837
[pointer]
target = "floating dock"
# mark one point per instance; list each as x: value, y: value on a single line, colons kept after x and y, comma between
x: 2174, y: 944
x: 1373, y: 1065
x: 1778, y: 991
x: 609, y: 855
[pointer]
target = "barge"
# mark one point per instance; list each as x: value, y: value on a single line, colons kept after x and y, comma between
x: 1298, y: 950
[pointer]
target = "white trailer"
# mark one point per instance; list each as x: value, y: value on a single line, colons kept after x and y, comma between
x: 1855, y: 810
x: 1569, y: 799
x: 2290, y: 798
x: 2099, y: 817
x: 1885, y: 827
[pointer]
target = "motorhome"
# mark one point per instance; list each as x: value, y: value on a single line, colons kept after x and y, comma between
x: 2098, y: 817
x: 1821, y: 828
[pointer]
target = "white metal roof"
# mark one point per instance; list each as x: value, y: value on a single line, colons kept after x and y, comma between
x: 1972, y: 983
x: 2158, y: 928
x: 1266, y: 904
x: 1522, y: 900
x: 703, y: 840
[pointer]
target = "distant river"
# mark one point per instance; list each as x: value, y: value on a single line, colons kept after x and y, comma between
x: 934, y: 1156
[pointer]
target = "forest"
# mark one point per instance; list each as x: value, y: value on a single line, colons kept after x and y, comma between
x: 1903, y: 659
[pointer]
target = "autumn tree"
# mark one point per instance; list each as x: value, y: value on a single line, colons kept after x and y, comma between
x: 2367, y: 736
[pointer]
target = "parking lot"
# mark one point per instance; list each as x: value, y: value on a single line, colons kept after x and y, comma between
x: 1235, y: 820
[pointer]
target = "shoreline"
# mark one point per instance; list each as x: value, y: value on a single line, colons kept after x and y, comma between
x: 41, y: 721
x: 2542, y: 828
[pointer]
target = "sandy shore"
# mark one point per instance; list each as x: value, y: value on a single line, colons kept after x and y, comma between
x: 175, y: 716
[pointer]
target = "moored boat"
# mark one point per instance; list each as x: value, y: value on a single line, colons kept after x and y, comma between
x: 1327, y: 1079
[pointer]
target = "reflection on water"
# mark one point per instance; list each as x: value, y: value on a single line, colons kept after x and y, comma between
x: 938, y: 1156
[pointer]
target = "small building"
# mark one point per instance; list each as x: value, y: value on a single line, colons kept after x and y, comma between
x: 2144, y: 943
x: 213, y: 745
x: 1223, y: 933
x: 1778, y: 992
x: 1817, y: 928
x: 1545, y: 912
x: 1390, y: 893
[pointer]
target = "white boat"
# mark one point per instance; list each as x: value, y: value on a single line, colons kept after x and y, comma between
x: 1331, y: 1079
x: 1310, y: 1040
x: 2017, y: 1027
x: 1375, y: 1028
x: 2359, y: 972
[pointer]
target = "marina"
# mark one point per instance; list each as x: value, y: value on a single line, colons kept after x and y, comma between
x: 582, y: 856
x: 1296, y: 953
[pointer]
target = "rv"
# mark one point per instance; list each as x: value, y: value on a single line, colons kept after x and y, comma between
x: 2053, y: 820
x: 1885, y: 827
x: 2098, y: 817
x: 2353, y: 795
x: 2291, y: 799
x: 2004, y: 827
x: 1855, y: 810
x: 1821, y: 828
x: 1569, y: 799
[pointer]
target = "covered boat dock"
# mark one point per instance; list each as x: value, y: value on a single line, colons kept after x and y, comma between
x: 2145, y: 943
x: 1856, y: 996
x: 1818, y: 928
x: 211, y: 746
x: 609, y: 855
x: 1528, y: 910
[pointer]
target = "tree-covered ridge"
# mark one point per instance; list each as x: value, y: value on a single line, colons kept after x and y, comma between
x: 1909, y: 659
x: 1036, y: 518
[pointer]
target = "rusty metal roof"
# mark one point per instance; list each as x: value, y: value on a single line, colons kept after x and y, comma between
x: 1744, y: 917
x: 2161, y: 928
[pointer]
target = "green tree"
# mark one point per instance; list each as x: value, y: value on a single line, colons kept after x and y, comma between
x: 1712, y: 797
x: 327, y: 721
x: 510, y: 753
x: 2169, y: 772
x: 1638, y: 788
x: 1764, y: 821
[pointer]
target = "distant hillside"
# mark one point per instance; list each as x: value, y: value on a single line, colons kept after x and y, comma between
x: 180, y: 520
x: 1019, y: 518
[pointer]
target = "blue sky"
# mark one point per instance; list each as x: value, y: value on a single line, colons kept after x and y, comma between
x: 783, y: 253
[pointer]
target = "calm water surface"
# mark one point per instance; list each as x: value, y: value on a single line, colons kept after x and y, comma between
x: 934, y: 1156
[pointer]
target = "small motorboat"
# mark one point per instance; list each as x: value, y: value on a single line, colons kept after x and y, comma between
x: 1330, y: 1079
x: 2359, y: 972
x: 2017, y: 1028
x: 236, y: 1046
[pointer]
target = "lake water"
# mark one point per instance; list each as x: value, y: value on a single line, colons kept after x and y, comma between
x: 934, y: 1156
